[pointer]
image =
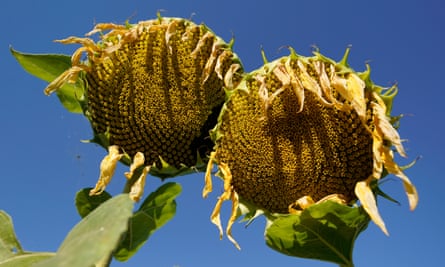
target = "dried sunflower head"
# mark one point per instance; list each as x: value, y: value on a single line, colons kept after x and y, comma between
x: 153, y: 90
x: 301, y: 130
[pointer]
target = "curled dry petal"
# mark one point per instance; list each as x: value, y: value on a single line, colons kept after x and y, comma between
x: 367, y: 199
x: 69, y: 75
x: 107, y: 168
x: 138, y: 161
x: 384, y: 127
x: 137, y: 189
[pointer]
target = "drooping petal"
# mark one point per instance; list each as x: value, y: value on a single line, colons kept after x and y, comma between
x: 208, y: 176
x: 384, y: 126
x: 367, y: 199
x: 309, y: 83
x: 235, y: 204
x: 69, y: 75
x: 107, y: 168
x: 392, y: 167
x: 137, y: 189
x: 228, y: 194
x: 138, y: 161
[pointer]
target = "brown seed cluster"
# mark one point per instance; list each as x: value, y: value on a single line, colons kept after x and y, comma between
x: 161, y: 92
x: 279, y: 153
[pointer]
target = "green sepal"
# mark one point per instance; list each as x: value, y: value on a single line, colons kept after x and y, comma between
x: 102, y: 139
x: 342, y: 67
x: 375, y: 187
x: 156, y: 210
x: 248, y: 212
x: 48, y: 67
x: 388, y: 98
x: 169, y: 171
x: 325, y: 231
x: 409, y: 165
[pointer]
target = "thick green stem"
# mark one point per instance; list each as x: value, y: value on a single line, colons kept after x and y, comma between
x: 130, y: 182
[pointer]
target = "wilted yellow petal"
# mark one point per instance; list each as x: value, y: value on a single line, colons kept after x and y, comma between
x: 393, y: 168
x: 307, y: 201
x: 308, y: 82
x: 208, y: 176
x: 377, y: 146
x: 356, y: 90
x: 339, y: 198
x: 384, y: 126
x: 87, y: 42
x: 325, y: 82
x: 352, y: 89
x: 105, y: 26
x: 137, y: 189
x: 302, y: 203
x: 212, y: 65
x: 235, y: 204
x: 69, y: 75
x: 107, y: 168
x: 366, y: 197
x: 138, y: 160
x: 215, y: 218
x: 226, y: 195
x: 228, y: 78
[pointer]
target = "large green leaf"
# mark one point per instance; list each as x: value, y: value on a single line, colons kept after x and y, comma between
x: 324, y: 231
x: 48, y: 67
x: 92, y: 241
x: 11, y: 252
x: 157, y: 209
x: 86, y: 203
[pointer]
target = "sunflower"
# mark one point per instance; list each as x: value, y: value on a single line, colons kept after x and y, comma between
x: 153, y: 90
x: 303, y: 130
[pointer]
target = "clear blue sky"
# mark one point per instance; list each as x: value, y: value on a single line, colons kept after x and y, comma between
x: 44, y: 163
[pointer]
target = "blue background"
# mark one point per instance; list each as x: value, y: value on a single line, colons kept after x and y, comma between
x: 44, y: 163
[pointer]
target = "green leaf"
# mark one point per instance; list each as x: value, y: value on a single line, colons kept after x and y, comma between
x: 325, y: 231
x: 86, y: 203
x: 26, y: 259
x: 9, y: 245
x: 93, y: 240
x: 11, y: 253
x: 157, y: 209
x: 48, y: 67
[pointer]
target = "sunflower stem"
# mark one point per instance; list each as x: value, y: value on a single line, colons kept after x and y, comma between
x: 130, y: 182
x: 128, y: 185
